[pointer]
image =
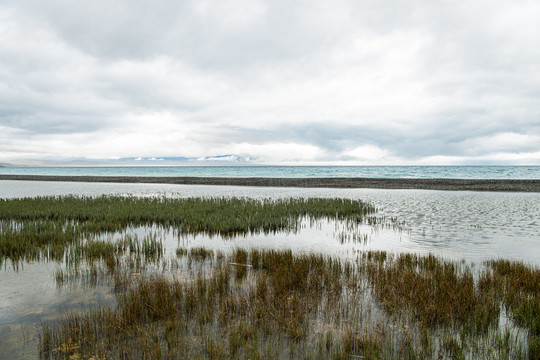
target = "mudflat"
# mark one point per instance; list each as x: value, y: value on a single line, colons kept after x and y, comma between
x: 512, y: 185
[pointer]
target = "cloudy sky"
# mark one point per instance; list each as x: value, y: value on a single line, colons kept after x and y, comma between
x: 299, y: 82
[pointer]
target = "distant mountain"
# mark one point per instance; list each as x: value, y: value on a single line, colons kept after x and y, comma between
x: 228, y: 159
x: 154, y: 158
x: 171, y: 160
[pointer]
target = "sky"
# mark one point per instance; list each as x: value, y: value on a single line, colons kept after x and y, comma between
x: 345, y: 82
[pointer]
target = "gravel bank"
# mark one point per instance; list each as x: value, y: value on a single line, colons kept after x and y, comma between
x: 375, y: 183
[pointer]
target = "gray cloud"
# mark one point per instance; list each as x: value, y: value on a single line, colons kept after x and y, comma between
x: 385, y: 82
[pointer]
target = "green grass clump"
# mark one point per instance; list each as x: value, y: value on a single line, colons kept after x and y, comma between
x: 519, y: 287
x: 212, y: 215
x: 201, y: 253
x: 434, y: 291
x: 33, y: 228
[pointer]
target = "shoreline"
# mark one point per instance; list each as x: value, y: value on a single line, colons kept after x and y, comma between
x: 511, y: 185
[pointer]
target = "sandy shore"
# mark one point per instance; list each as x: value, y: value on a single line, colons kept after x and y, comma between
x: 374, y: 183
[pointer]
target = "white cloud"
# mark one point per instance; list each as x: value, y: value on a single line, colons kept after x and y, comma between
x: 500, y: 143
x: 276, y: 152
x: 368, y: 153
x: 307, y: 82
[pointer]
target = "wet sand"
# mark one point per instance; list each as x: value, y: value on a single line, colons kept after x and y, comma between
x: 529, y: 185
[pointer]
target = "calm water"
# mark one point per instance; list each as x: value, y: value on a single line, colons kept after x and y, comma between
x: 456, y: 172
x: 474, y: 226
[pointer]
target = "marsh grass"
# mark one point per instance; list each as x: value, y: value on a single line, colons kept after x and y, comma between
x: 519, y: 287
x: 433, y: 290
x: 272, y: 304
x: 94, y: 259
x: 43, y: 227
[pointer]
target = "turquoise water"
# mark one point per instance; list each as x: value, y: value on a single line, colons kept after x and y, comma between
x: 447, y: 172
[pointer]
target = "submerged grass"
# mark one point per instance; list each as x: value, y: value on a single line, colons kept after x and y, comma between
x: 273, y: 304
x: 433, y: 290
x: 519, y: 286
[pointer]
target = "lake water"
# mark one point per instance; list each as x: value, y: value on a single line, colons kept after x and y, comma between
x: 473, y: 226
x: 454, y: 172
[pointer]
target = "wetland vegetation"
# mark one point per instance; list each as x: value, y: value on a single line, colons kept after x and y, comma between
x: 33, y: 228
x: 261, y: 303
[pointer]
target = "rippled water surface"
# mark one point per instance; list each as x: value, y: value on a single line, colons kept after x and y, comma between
x: 455, y: 172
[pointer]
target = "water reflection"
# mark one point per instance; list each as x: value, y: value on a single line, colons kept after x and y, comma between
x: 30, y: 296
